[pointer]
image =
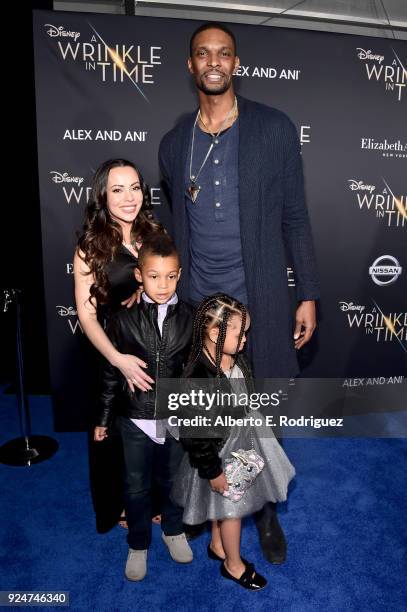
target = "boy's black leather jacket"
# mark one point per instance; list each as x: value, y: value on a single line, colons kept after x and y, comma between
x: 135, y: 331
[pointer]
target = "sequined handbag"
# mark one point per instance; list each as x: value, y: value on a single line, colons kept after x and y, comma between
x: 241, y: 470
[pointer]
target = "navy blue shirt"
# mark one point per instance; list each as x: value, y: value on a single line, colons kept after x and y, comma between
x: 216, y: 262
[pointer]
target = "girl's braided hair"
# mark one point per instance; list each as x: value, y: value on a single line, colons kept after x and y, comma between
x: 214, y: 310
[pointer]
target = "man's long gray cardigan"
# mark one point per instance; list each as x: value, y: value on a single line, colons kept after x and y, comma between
x: 273, y: 216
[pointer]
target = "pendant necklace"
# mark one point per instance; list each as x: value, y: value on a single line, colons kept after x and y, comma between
x: 131, y: 246
x: 194, y: 189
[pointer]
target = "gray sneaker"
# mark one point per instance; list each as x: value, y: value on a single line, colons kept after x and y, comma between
x: 179, y: 548
x: 136, y: 565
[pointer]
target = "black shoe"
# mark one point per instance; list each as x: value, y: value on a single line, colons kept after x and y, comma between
x: 193, y: 531
x: 272, y: 538
x: 250, y: 579
x: 213, y: 555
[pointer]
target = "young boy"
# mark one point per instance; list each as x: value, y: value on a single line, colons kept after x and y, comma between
x: 159, y: 331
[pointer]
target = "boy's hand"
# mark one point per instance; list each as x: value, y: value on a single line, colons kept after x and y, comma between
x: 219, y: 484
x: 100, y: 434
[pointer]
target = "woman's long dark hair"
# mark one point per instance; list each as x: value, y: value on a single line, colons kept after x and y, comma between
x: 214, y: 311
x: 102, y: 236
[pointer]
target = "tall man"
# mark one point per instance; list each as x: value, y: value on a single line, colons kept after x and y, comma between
x: 234, y: 174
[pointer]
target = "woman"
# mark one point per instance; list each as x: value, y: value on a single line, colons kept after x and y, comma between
x: 118, y: 217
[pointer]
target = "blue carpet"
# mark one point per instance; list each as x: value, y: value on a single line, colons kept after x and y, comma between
x: 345, y: 522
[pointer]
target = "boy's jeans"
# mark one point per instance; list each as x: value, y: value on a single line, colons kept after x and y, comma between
x: 147, y: 462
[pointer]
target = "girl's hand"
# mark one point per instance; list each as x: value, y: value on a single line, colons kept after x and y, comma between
x: 132, y: 369
x: 219, y: 484
x: 136, y: 297
x: 100, y: 434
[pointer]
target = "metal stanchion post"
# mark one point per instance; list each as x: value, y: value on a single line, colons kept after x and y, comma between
x: 27, y: 449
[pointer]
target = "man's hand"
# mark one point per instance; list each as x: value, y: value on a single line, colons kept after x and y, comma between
x: 135, y: 297
x: 219, y: 484
x: 305, y: 323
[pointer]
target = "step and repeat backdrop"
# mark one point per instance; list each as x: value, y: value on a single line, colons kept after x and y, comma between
x: 113, y: 86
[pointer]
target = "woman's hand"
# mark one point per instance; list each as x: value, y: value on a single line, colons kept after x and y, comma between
x: 100, y: 434
x: 135, y: 297
x: 219, y: 484
x: 132, y: 369
x: 130, y: 366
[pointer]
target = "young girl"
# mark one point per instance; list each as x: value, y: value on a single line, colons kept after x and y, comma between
x: 201, y: 487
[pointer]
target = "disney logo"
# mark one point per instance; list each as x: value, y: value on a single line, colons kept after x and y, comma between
x: 65, y: 178
x: 369, y: 55
x: 66, y: 311
x: 60, y: 32
x: 360, y: 186
x: 345, y: 306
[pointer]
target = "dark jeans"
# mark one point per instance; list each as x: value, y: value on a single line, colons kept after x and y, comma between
x: 148, y: 463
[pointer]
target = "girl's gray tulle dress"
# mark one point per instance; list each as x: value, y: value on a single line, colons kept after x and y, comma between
x: 200, y: 503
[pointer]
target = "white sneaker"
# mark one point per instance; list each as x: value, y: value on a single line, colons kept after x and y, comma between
x: 136, y: 565
x: 179, y: 548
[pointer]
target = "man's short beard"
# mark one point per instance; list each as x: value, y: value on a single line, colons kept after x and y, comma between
x: 214, y: 92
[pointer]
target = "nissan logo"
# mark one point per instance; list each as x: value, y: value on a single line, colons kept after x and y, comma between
x: 385, y: 270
